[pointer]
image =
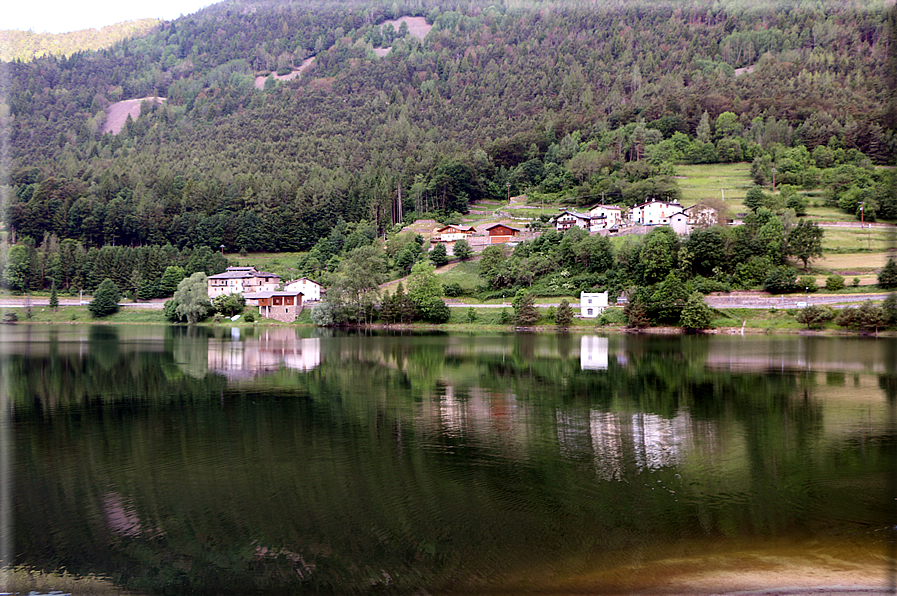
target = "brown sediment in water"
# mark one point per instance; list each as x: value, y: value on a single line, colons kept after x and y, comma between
x: 741, y: 574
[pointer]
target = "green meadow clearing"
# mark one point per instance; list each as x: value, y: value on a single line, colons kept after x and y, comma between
x: 729, y: 182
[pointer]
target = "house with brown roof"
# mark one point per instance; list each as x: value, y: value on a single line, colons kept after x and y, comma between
x: 242, y: 280
x: 500, y: 233
x: 452, y: 233
x: 567, y: 219
x: 282, y: 306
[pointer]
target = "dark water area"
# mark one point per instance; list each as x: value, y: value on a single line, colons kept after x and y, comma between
x: 224, y: 461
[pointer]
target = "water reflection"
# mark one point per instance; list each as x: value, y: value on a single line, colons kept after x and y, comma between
x: 195, y: 459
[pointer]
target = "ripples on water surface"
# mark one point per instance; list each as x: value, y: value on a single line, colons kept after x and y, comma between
x: 213, y: 461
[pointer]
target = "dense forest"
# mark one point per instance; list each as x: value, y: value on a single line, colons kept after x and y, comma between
x: 575, y: 101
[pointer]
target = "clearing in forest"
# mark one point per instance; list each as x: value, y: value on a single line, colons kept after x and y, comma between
x: 729, y: 181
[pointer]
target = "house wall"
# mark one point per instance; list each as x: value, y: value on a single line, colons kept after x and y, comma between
x: 592, y: 304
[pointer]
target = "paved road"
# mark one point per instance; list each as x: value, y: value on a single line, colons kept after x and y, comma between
x: 45, y: 302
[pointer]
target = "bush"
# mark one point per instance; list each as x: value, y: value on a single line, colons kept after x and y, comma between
x: 249, y: 316
x: 815, y: 315
x: 833, y: 283
x: 452, y: 290
x: 434, y: 310
x: 782, y: 280
x: 612, y: 316
x: 808, y: 283
x: 706, y: 286
x: 10, y: 317
x: 105, y: 299
x: 696, y: 315
x: 888, y: 277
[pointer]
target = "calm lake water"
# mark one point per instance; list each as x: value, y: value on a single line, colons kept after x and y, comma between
x: 172, y: 459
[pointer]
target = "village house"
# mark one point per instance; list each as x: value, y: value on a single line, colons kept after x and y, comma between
x: 242, y: 280
x: 654, y: 212
x: 701, y: 216
x: 605, y: 217
x: 452, y: 233
x: 679, y: 223
x: 592, y: 304
x: 500, y: 233
x: 310, y: 289
x: 282, y: 306
x: 567, y: 219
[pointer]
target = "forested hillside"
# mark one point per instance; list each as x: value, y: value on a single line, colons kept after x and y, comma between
x: 25, y: 45
x: 571, y: 100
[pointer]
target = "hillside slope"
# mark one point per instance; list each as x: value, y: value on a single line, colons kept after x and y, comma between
x: 578, y: 103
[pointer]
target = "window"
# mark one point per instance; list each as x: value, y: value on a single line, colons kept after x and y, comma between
x: 589, y: 311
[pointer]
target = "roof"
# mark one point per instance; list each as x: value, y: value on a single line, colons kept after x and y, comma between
x: 670, y: 203
x: 242, y: 273
x: 260, y: 295
x: 573, y: 213
x: 612, y: 207
x: 502, y: 225
x: 455, y: 228
x: 305, y: 279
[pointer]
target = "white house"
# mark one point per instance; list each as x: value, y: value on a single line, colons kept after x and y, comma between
x: 567, y: 219
x: 242, y: 280
x: 452, y: 233
x: 701, y: 216
x: 311, y: 290
x: 679, y: 223
x: 654, y: 212
x: 592, y: 304
x: 605, y: 217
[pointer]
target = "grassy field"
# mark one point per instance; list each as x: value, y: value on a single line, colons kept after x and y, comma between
x: 872, y: 241
x: 720, y: 181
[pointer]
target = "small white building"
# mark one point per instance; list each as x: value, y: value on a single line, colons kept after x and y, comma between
x: 592, y: 304
x: 311, y: 290
x: 654, y: 213
x: 679, y: 223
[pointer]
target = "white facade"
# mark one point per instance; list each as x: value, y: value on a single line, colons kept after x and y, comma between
x: 565, y: 220
x: 654, y: 212
x: 679, y: 223
x: 311, y: 290
x: 701, y: 216
x: 592, y: 304
x: 452, y: 233
x: 242, y: 280
x: 605, y: 217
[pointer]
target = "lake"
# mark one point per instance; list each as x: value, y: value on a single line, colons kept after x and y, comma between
x: 277, y: 460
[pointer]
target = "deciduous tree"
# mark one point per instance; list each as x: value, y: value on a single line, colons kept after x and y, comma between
x: 105, y: 299
x: 192, y: 298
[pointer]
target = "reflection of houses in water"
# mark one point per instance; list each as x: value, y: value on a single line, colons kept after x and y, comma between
x: 272, y: 350
x: 616, y: 442
x: 593, y: 352
x: 659, y: 441
x: 799, y: 354
x: 485, y: 416
x: 122, y: 518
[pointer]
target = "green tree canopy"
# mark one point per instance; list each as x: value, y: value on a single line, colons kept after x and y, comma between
x: 805, y: 241
x: 192, y: 298
x: 423, y: 284
x: 105, y: 299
